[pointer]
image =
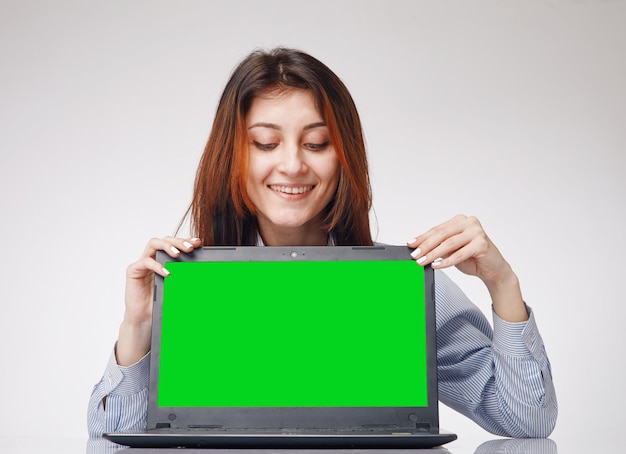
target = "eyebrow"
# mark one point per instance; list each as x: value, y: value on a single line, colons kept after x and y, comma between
x: 277, y: 127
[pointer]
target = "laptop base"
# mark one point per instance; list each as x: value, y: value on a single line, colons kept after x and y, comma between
x: 418, y: 440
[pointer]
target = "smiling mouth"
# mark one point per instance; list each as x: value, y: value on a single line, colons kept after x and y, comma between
x: 292, y: 189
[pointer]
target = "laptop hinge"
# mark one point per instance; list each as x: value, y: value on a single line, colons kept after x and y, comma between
x: 204, y: 426
x: 380, y: 426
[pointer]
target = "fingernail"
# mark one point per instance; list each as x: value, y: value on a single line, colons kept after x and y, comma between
x: 187, y: 244
x: 174, y: 250
x: 167, y: 273
x: 416, y: 252
x: 436, y: 263
x: 411, y: 240
x: 421, y: 260
x: 195, y: 239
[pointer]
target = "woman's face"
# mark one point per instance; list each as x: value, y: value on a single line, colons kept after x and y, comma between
x: 293, y: 169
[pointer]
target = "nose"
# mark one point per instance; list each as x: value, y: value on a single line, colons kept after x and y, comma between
x: 292, y: 160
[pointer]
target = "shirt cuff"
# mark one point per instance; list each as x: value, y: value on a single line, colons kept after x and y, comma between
x: 124, y: 381
x: 517, y: 339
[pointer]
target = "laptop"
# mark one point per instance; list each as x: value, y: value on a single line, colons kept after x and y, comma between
x: 292, y: 347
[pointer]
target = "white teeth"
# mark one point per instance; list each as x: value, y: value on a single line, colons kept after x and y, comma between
x: 290, y: 189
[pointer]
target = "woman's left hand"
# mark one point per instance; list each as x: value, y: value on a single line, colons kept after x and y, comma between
x: 463, y: 243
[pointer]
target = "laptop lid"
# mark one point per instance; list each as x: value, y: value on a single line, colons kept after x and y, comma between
x: 294, y: 337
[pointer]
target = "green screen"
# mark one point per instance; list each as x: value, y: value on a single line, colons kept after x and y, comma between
x: 332, y: 333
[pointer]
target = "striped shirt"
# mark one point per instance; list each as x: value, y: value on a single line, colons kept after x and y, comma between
x: 500, y: 378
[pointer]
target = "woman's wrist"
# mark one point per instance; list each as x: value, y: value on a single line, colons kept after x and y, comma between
x: 506, y: 297
x: 133, y: 342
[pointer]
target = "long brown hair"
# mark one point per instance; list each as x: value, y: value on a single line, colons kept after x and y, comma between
x: 221, y: 212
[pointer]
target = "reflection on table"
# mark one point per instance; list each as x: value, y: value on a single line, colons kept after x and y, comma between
x: 518, y: 446
x: 499, y: 446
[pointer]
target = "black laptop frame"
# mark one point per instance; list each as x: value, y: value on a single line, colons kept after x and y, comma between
x: 413, y: 419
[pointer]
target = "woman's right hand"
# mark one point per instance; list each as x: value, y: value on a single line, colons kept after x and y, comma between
x: 135, y: 331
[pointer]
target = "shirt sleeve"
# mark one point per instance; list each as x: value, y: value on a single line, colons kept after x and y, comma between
x: 119, y: 401
x: 500, y: 377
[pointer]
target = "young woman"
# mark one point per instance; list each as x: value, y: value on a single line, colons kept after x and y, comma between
x: 285, y: 165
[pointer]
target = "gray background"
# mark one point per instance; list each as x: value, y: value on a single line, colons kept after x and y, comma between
x: 513, y: 111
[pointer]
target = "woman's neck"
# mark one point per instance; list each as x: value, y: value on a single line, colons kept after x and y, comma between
x: 293, y: 236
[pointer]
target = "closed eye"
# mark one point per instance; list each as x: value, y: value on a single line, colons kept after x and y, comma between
x: 317, y: 146
x: 264, y: 146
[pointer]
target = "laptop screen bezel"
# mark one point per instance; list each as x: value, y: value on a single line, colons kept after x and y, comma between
x: 225, y: 418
